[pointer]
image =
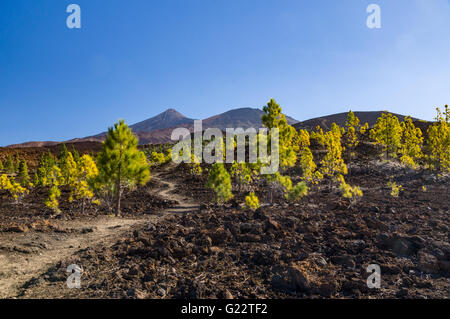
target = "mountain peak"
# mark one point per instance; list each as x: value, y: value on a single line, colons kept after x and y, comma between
x: 166, y: 119
x: 171, y: 110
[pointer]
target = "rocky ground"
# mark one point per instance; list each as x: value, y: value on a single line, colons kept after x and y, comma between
x: 317, y: 248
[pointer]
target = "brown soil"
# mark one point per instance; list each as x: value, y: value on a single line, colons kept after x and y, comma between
x: 32, y: 238
x: 319, y: 247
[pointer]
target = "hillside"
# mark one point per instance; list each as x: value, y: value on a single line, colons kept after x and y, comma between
x: 340, y: 119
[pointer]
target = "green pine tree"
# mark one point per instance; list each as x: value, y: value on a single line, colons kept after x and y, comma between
x: 120, y: 163
x: 23, y: 174
x: 75, y: 154
x: 274, y: 118
x: 63, y: 164
x: 16, y: 162
x: 388, y: 132
x: 9, y: 166
x: 220, y: 181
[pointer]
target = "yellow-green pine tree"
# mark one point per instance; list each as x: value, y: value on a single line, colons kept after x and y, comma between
x: 388, y: 132
x: 439, y: 141
x: 85, y: 172
x: 411, y: 143
x: 333, y: 164
x: 220, y: 181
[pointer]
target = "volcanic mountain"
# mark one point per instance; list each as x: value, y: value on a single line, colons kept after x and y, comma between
x: 158, y: 129
x: 167, y: 119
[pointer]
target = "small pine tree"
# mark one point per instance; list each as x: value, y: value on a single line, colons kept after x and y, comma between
x: 36, y: 179
x: 388, y: 132
x: 251, y: 202
x: 75, y: 154
x: 350, y: 136
x: 301, y: 141
x: 297, y: 192
x: 52, y: 200
x: 395, y: 189
x: 9, y: 166
x: 352, y: 193
x: 411, y: 143
x: 5, y: 182
x: 15, y: 189
x: 243, y: 173
x: 16, y: 162
x: 308, y: 167
x: 120, y: 163
x: 318, y: 135
x: 45, y: 166
x: 274, y: 118
x: 157, y: 159
x: 53, y: 180
x: 63, y: 164
x: 219, y: 180
x: 196, y: 168
x: 439, y: 141
x: 284, y: 183
x: 23, y: 174
x: 332, y: 163
x: 82, y: 177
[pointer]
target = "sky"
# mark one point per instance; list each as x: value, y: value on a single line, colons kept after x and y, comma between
x: 134, y: 59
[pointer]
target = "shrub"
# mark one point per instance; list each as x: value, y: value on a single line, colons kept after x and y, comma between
x: 395, y: 189
x: 219, y: 180
x: 352, y: 193
x: 252, y: 201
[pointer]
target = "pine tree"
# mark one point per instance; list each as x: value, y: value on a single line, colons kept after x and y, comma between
x: 388, y: 132
x: 251, y: 202
x: 15, y: 189
x: 274, y: 118
x: 284, y: 183
x: 318, y: 135
x: 243, y: 173
x: 196, y: 168
x: 63, y: 164
x: 16, y: 162
x: 52, y: 200
x: 350, y: 136
x: 439, y: 141
x: 219, y: 180
x: 75, y: 154
x: 9, y: 166
x: 120, y: 163
x: 332, y: 164
x: 352, y: 193
x: 82, y: 177
x: 53, y: 179
x: 45, y: 166
x: 308, y: 167
x: 23, y: 174
x: 301, y: 140
x: 411, y: 143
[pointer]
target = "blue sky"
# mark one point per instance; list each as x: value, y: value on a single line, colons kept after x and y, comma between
x: 134, y: 59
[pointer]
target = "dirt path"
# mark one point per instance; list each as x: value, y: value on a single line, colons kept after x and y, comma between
x: 185, y: 204
x: 28, y: 255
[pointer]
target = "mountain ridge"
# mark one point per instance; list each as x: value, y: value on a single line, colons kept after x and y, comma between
x: 158, y: 129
